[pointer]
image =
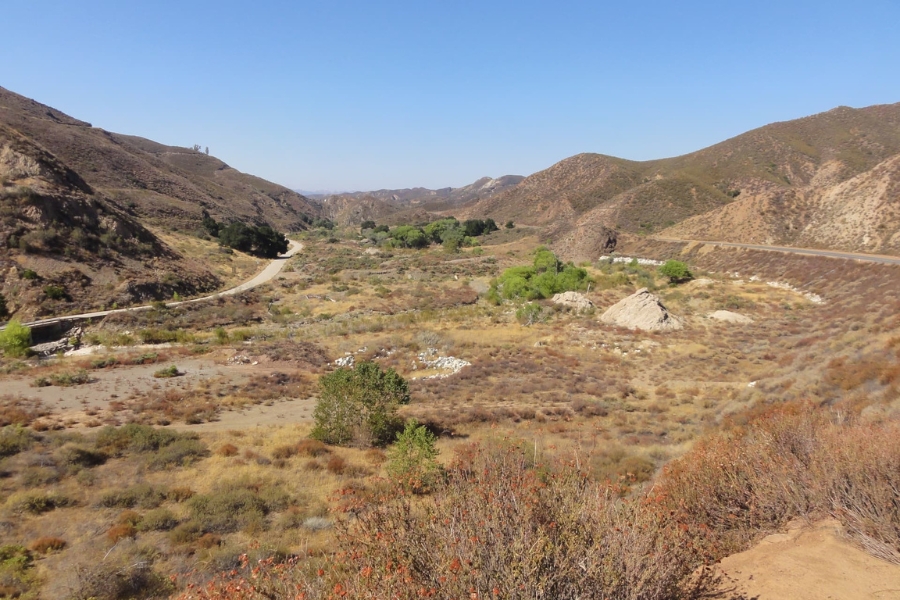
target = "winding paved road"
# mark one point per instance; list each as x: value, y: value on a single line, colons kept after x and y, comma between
x: 267, y: 274
x: 872, y: 258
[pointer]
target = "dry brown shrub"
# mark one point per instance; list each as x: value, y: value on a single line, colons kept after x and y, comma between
x: 791, y: 461
x: 284, y: 452
x: 121, y: 531
x: 227, y: 450
x: 180, y: 494
x: 336, y: 465
x: 43, y: 545
x: 312, y: 448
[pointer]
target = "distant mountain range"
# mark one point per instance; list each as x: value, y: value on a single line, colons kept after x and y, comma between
x: 411, y: 204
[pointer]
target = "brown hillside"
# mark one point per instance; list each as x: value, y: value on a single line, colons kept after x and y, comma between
x: 444, y: 199
x: 164, y: 185
x: 824, y: 180
x: 347, y: 210
x: 66, y: 247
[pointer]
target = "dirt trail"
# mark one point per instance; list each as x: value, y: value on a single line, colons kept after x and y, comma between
x: 812, y: 563
x: 267, y: 274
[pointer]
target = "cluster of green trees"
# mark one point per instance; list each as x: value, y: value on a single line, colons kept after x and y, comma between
x: 545, y: 277
x: 260, y: 240
x: 449, y: 232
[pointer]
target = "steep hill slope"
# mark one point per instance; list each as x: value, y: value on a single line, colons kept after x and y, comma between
x: 66, y: 247
x: 163, y: 185
x: 825, y: 180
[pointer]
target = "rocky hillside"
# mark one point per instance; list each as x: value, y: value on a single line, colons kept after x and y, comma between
x: 66, y: 247
x: 443, y: 199
x: 829, y: 180
x: 347, y: 210
x: 164, y: 186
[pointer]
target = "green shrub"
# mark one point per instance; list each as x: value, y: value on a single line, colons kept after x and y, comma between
x: 530, y: 313
x: 29, y: 274
x: 157, y: 336
x: 359, y: 406
x: 235, y: 505
x: 64, y: 379
x: 142, y: 495
x: 160, y: 519
x: 162, y: 447
x: 15, y: 339
x: 15, y: 439
x: 55, y: 292
x: 75, y: 456
x: 37, y: 502
x: 546, y: 277
x: 412, y: 459
x: 676, y: 271
x: 167, y: 372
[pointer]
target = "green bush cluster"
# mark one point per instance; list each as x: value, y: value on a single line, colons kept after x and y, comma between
x: 449, y: 232
x: 142, y: 495
x: 260, y: 240
x: 358, y: 406
x: 236, y: 505
x: 547, y: 276
x: 162, y: 447
x: 15, y: 339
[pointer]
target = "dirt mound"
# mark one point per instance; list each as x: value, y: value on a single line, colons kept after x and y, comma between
x: 729, y: 317
x: 811, y: 563
x: 573, y: 300
x: 642, y: 310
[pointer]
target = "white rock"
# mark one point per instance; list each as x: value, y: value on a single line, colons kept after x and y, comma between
x: 642, y: 310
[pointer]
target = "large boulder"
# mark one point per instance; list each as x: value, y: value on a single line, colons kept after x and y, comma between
x: 642, y: 310
x: 574, y: 300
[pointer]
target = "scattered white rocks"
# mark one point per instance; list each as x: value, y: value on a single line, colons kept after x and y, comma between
x: 814, y: 298
x: 345, y: 361
x: 628, y: 259
x: 239, y: 359
x: 729, y: 317
x: 450, y: 364
x: 642, y: 310
x: 579, y: 302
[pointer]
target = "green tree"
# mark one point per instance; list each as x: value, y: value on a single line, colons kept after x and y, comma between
x: 359, y: 406
x: 510, y: 225
x: 4, y: 310
x: 412, y: 460
x: 366, y: 225
x: 15, y: 339
x: 268, y: 243
x: 236, y: 235
x: 409, y: 236
x: 676, y: 271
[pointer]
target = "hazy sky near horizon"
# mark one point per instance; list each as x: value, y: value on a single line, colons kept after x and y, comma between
x: 359, y: 95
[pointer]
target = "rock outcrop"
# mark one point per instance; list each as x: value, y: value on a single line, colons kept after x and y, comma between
x: 642, y: 310
x: 574, y: 300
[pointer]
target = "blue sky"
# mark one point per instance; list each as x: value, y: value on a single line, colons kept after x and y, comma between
x: 344, y: 95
